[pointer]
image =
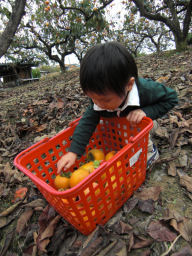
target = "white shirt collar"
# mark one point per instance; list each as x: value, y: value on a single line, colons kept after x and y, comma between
x: 132, y: 100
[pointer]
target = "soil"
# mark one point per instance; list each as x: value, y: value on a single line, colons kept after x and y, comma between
x: 31, y: 112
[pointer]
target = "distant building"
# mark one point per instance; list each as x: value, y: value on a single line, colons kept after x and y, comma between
x: 13, y: 74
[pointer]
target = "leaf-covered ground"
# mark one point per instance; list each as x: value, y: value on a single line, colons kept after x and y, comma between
x: 156, y: 220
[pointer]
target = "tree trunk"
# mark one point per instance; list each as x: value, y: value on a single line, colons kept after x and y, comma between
x: 180, y: 43
x: 62, y: 67
x: 11, y: 28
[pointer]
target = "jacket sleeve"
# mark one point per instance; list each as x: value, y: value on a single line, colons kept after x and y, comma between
x: 84, y: 130
x: 157, y: 99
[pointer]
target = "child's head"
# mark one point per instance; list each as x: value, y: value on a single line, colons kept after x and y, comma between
x: 108, y: 68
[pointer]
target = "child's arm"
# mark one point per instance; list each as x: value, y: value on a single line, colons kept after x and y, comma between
x: 84, y: 130
x: 156, y: 99
x: 80, y: 139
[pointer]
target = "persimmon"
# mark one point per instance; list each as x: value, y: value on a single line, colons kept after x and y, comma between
x: 95, y: 154
x: 61, y: 182
x: 109, y: 155
x: 88, y: 166
x: 47, y: 8
x: 46, y: 2
x: 65, y: 201
x: 77, y: 176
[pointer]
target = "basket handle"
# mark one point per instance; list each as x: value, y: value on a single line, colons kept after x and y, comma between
x: 145, y: 130
x: 74, y: 122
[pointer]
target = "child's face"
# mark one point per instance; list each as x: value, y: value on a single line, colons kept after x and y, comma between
x: 110, y: 100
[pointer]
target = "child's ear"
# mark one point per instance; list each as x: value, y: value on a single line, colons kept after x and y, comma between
x: 130, y: 83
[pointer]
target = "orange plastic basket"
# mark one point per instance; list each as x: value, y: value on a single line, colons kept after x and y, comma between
x: 95, y: 199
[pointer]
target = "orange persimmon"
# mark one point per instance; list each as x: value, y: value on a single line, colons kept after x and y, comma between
x: 61, y: 182
x: 109, y: 155
x: 95, y: 154
x: 78, y: 176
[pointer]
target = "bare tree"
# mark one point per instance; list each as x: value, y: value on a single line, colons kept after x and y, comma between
x: 15, y: 18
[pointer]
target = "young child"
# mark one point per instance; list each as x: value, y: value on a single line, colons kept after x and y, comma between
x: 109, y: 77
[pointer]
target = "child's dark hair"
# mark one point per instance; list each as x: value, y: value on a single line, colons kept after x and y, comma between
x: 107, y: 67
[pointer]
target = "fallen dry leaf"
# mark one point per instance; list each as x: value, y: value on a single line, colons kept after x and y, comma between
x: 36, y: 203
x: 173, y: 137
x: 161, y: 132
x: 172, y: 169
x: 92, y: 246
x: 160, y: 232
x: 3, y: 190
x: 148, y: 193
x: 173, y: 119
x: 23, y: 219
x: 147, y: 252
x: 130, y: 204
x: 186, y: 251
x: 115, y: 247
x: 163, y: 79
x: 9, y: 210
x: 12, y: 175
x: 189, y: 195
x: 34, y: 117
x: 46, y: 217
x: 32, y: 248
x: 179, y: 114
x: 146, y: 206
x: 73, y: 241
x: 184, y: 227
x: 185, y: 180
x: 122, y: 228
x: 8, y: 173
x: 40, y: 128
x: 7, y: 243
x: 94, y: 242
x: 48, y: 232
x: 171, y: 214
x: 43, y: 238
x: 59, y: 103
x: 3, y: 221
x: 141, y: 242
x: 130, y: 242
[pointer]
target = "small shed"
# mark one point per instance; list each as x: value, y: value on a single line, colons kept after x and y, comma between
x: 14, y: 74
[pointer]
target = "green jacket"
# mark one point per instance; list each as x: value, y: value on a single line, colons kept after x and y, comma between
x: 155, y: 100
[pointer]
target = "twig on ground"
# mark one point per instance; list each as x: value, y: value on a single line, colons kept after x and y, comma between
x: 171, y: 247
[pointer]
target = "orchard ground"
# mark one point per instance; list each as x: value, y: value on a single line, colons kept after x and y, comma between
x: 31, y: 112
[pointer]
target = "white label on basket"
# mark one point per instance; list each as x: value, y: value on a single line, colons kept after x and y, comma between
x: 135, y: 157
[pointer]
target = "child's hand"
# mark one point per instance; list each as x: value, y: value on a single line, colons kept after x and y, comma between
x: 66, y: 161
x: 135, y: 116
